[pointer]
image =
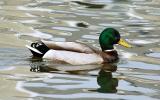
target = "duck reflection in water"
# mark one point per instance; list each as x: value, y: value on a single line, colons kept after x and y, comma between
x: 38, y: 65
x: 106, y: 81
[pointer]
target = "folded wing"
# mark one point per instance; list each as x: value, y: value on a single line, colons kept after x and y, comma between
x: 69, y: 46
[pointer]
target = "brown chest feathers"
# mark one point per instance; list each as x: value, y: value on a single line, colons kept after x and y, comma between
x: 109, y: 56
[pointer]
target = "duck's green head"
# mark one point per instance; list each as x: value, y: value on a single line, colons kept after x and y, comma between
x: 109, y: 37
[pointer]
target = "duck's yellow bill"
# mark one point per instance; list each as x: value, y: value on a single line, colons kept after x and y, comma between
x: 124, y: 43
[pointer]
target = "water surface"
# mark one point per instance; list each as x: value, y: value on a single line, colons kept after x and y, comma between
x: 135, y: 77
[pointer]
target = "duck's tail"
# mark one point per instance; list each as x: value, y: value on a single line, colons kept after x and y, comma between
x: 38, y: 49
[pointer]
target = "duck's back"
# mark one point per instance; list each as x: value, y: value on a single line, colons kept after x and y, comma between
x: 69, y: 46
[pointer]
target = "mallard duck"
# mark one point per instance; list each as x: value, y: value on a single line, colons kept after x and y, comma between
x: 79, y: 54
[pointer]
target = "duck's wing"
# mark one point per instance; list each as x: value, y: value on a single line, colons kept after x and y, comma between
x: 69, y: 46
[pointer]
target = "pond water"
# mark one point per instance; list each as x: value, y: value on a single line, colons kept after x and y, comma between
x: 135, y: 77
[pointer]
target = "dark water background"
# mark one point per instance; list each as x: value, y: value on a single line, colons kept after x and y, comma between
x: 135, y: 77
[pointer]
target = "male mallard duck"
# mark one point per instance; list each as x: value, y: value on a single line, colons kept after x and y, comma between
x: 77, y: 53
